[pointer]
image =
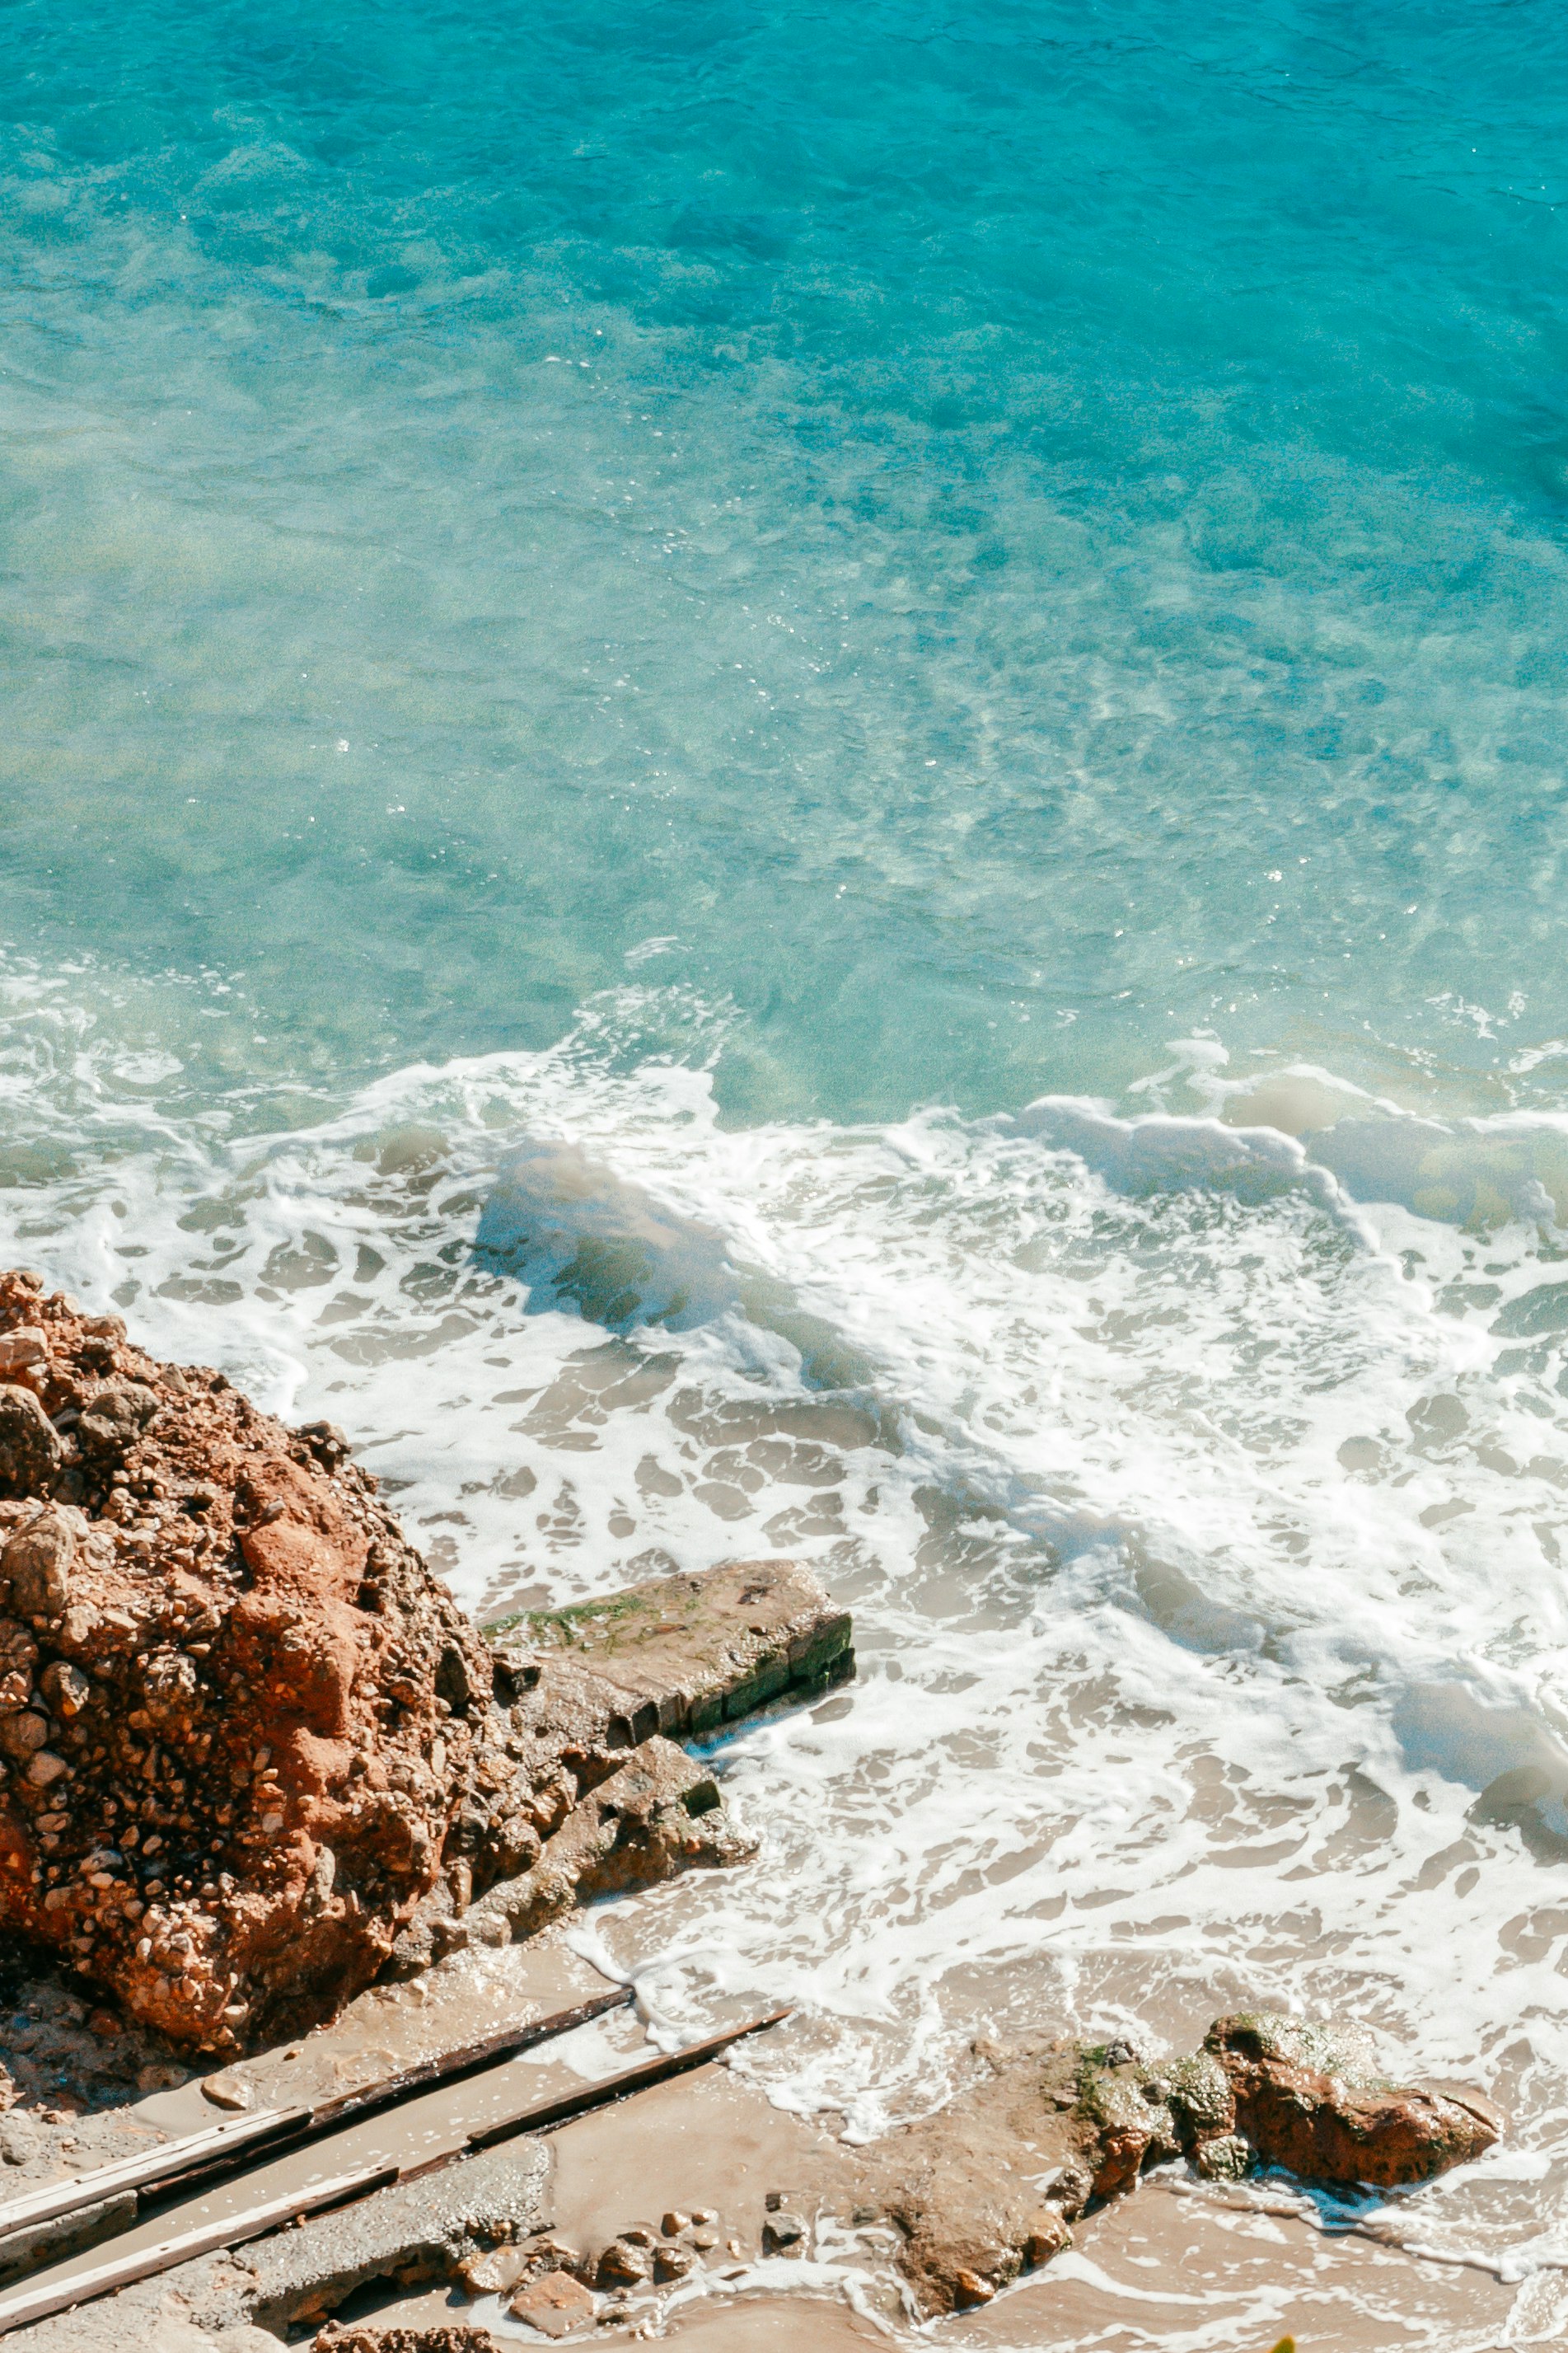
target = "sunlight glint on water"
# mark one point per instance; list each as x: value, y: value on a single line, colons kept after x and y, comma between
x: 796, y: 782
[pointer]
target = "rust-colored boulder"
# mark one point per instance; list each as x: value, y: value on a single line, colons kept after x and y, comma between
x: 228, y: 1772
x: 251, y: 1752
x: 1307, y: 2098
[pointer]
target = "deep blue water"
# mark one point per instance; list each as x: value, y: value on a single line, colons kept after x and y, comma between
x: 1001, y: 536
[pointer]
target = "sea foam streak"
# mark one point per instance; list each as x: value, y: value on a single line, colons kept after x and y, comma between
x: 1200, y: 1521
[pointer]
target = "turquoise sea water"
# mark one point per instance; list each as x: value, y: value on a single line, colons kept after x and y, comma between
x: 794, y: 779
x: 989, y: 533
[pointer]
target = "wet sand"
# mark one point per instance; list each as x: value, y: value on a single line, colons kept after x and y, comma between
x: 1177, y: 2268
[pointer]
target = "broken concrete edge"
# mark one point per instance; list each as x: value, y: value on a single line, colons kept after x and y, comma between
x: 691, y: 1652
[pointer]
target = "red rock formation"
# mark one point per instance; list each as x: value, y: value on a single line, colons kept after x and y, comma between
x: 234, y: 1708
x: 248, y: 1746
x: 1306, y: 2102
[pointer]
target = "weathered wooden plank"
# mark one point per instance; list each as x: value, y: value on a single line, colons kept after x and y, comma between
x: 103, y: 2279
x: 180, y: 2164
x: 37, y: 2303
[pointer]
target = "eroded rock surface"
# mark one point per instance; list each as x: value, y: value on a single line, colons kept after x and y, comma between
x: 445, y: 2336
x: 594, y: 1692
x: 1309, y: 2099
x: 989, y: 2186
x: 247, y: 1739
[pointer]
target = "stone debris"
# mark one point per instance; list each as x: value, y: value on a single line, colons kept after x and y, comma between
x: 783, y: 2234
x: 417, y: 2231
x: 445, y: 2337
x: 624, y: 2264
x: 250, y: 1749
x: 554, y: 2302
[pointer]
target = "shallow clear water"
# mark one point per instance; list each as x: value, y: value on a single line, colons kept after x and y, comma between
x: 795, y: 779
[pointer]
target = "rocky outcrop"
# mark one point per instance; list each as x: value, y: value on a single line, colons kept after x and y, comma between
x: 1309, y: 2099
x: 988, y: 2187
x: 594, y: 1692
x: 248, y: 1744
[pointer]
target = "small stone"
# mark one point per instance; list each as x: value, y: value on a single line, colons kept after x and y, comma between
x: 30, y: 1445
x: 782, y: 2234
x: 66, y: 1688
x: 774, y: 2200
x: 970, y: 2288
x: 45, y: 1769
x: 554, y: 2304
x: 23, y: 1735
x: 863, y: 2215
x: 705, y: 2215
x: 22, y: 1351
x: 621, y: 2265
x: 673, y: 2262
x: 639, y: 2234
x: 497, y: 2270
x: 553, y: 2255
x: 674, y: 2222
x: 1228, y: 2157
x: 35, y: 1564
x: 1047, y: 2236
x: 18, y: 2139
x: 228, y: 2090
x: 704, y: 2241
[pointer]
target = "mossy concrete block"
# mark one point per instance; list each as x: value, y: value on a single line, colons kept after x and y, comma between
x: 691, y: 1652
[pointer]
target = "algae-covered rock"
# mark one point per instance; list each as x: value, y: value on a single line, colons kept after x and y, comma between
x: 1310, y: 2098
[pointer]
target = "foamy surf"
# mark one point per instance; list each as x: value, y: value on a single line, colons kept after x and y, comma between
x: 1200, y: 1520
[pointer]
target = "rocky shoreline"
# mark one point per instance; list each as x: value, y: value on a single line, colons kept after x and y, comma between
x: 255, y: 1759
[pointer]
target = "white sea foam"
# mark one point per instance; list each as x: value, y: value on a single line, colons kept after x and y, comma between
x: 1200, y: 1513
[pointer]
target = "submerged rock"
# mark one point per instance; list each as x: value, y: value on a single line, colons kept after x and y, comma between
x: 1308, y: 2098
x: 988, y: 2187
x: 246, y: 1738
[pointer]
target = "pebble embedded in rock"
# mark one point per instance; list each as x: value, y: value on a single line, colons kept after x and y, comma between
x: 29, y: 1444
